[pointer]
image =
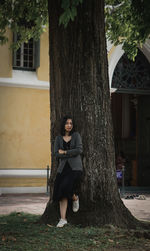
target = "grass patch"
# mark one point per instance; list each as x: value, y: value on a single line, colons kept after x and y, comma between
x: 20, y: 232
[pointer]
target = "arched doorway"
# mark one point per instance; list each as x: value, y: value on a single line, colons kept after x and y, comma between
x: 131, y: 117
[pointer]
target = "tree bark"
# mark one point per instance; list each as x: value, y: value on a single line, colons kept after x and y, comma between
x: 79, y: 86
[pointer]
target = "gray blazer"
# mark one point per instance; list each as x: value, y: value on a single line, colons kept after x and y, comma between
x: 72, y: 156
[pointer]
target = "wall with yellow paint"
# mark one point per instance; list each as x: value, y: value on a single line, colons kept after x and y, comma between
x: 22, y: 182
x: 24, y: 121
x: 6, y: 58
x: 43, y: 70
x: 24, y: 128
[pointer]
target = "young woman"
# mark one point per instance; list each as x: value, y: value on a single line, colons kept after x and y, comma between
x: 67, y: 148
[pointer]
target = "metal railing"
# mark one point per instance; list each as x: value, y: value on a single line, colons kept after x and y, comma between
x: 48, y: 176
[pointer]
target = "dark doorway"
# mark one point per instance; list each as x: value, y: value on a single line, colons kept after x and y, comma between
x: 143, y: 140
x: 131, y: 117
x: 124, y: 125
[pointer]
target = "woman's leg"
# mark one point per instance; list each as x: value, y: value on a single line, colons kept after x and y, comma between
x: 74, y: 197
x: 63, y: 208
x: 77, y: 185
x: 75, y: 204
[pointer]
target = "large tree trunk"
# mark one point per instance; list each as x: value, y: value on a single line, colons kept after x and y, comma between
x: 79, y: 86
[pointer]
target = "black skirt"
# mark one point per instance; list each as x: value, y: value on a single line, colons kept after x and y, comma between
x: 67, y: 183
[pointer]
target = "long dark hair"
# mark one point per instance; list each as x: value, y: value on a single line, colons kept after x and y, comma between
x: 64, y: 120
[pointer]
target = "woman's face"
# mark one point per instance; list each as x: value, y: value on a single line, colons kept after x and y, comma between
x: 68, y: 125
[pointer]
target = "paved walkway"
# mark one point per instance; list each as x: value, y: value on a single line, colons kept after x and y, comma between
x: 35, y: 204
x: 139, y: 208
x: 27, y: 203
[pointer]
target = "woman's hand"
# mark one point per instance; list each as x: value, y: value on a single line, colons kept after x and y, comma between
x: 62, y: 151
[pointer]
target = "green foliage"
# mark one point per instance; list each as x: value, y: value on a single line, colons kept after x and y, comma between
x: 70, y: 11
x: 27, y: 18
x: 127, y: 23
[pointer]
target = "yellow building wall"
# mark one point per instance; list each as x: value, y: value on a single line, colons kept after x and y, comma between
x: 24, y: 128
x: 43, y: 70
x: 6, y: 58
x: 24, y: 121
x: 23, y: 182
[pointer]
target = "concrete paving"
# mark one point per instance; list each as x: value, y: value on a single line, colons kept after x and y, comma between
x: 139, y: 208
x: 36, y: 203
x: 27, y: 203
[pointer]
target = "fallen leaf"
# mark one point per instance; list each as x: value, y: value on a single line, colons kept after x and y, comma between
x: 3, y: 238
x: 18, y: 213
x: 110, y: 240
x: 12, y: 238
x: 121, y: 236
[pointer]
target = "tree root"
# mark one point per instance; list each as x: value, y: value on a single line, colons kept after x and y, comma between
x: 94, y: 216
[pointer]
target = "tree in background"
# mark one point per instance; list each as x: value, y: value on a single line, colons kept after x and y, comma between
x: 127, y: 23
x: 79, y: 85
x: 27, y: 18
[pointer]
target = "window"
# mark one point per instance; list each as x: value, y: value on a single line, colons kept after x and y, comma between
x: 132, y: 75
x: 27, y: 57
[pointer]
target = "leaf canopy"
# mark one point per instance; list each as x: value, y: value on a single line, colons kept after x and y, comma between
x: 27, y: 18
x: 127, y: 21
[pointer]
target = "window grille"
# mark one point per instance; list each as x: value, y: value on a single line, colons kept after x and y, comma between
x: 132, y: 75
x: 27, y: 56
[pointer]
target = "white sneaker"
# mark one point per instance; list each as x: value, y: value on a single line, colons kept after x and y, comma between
x: 61, y: 223
x: 75, y: 205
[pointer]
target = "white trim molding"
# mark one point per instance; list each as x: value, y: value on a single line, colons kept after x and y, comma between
x: 109, y: 45
x: 23, y: 173
x: 146, y: 49
x: 21, y: 190
x: 24, y: 79
x: 116, y: 55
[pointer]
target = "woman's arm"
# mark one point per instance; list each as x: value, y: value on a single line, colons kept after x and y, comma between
x: 78, y: 149
x: 69, y: 153
x: 57, y: 148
